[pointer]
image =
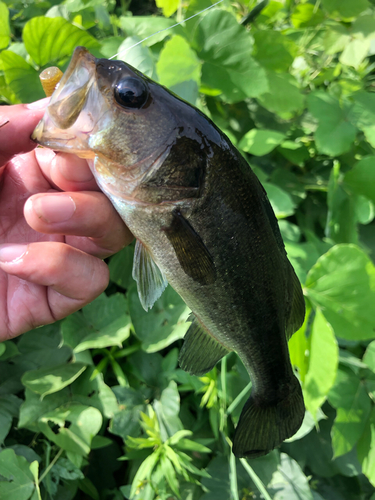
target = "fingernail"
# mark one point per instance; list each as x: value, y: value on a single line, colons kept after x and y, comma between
x: 54, y: 208
x: 11, y: 253
x: 42, y: 103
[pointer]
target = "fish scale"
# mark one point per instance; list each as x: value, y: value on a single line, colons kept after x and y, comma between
x: 202, y: 222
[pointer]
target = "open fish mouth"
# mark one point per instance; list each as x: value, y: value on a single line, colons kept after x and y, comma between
x: 76, y: 110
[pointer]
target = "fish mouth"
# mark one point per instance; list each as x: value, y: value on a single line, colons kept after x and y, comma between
x: 76, y: 108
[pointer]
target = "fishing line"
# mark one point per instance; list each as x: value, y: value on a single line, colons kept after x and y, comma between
x: 166, y: 29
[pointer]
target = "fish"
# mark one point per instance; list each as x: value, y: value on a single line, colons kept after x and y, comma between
x: 202, y: 223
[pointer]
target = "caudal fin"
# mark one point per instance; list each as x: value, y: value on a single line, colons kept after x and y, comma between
x: 264, y: 426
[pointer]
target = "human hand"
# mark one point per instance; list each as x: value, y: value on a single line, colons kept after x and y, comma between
x: 55, y: 227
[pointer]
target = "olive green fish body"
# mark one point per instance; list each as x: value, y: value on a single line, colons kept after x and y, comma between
x: 202, y: 222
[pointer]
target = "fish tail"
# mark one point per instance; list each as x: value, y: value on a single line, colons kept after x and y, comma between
x: 265, y: 424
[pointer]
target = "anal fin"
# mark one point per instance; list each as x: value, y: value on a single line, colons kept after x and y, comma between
x: 200, y: 351
x: 151, y: 281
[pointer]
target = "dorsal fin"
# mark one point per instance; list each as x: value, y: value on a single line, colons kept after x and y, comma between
x: 151, y: 281
x: 200, y: 351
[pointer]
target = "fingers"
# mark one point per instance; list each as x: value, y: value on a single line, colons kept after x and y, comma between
x: 73, y: 279
x: 65, y: 171
x: 81, y: 214
x: 16, y: 126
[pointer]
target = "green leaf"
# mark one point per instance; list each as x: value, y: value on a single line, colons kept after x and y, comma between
x: 289, y: 481
x: 144, y: 471
x: 52, y: 39
x: 22, y: 77
x: 169, y: 7
x: 342, y: 284
x: 260, y: 142
x: 225, y: 47
x: 323, y: 363
x: 306, y: 15
x: 144, y: 26
x: 369, y: 356
x: 126, y: 421
x: 167, y: 410
x: 52, y: 379
x: 84, y: 424
x: 355, y: 52
x: 105, y: 322
x: 273, y: 50
x: 345, y: 8
x: 19, y: 480
x: 170, y: 474
x: 281, y: 202
x: 165, y: 323
x: 9, y: 409
x: 283, y: 97
x: 4, y: 26
x: 353, y: 405
x: 140, y: 57
x: 366, y: 449
x: 335, y: 134
x: 361, y: 178
x: 177, y: 63
x: 120, y: 267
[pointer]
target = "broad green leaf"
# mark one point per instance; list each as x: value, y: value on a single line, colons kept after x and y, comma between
x: 306, y: 15
x: 283, y: 96
x: 369, y: 356
x: 177, y: 63
x: 342, y: 284
x: 170, y: 474
x: 105, y: 322
x: 273, y: 50
x: 361, y: 178
x: 9, y: 409
x: 4, y: 26
x: 323, y: 362
x: 260, y: 142
x: 22, y: 77
x: 289, y: 482
x: 165, y: 323
x: 226, y: 47
x: 65, y: 469
x: 298, y: 348
x: 144, y: 26
x: 167, y: 410
x: 335, y: 134
x: 281, y: 202
x: 84, y: 424
x: 308, y: 424
x: 353, y: 405
x: 139, y: 56
x: 169, y: 7
x: 345, y: 8
x: 52, y: 378
x: 126, y: 421
x: 144, y: 471
x: 354, y: 52
x: 53, y: 39
x: 366, y: 449
x: 120, y: 267
x: 19, y: 480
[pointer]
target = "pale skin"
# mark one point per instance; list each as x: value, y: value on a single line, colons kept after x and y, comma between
x: 55, y: 228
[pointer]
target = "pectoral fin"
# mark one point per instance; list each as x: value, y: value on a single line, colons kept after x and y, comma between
x: 200, y: 351
x: 151, y: 281
x: 192, y: 254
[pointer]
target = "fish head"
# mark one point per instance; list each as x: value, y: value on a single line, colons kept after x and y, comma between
x: 109, y: 112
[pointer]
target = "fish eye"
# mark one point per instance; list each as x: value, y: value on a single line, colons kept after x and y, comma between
x: 131, y: 92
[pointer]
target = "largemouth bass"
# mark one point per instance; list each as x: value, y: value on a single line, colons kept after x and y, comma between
x: 202, y: 222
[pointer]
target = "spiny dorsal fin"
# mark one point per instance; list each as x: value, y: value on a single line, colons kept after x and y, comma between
x: 192, y: 253
x: 200, y: 351
x: 297, y: 309
x: 151, y: 281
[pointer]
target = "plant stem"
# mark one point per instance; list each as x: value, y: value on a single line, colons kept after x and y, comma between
x: 257, y: 481
x: 238, y: 399
x: 57, y: 456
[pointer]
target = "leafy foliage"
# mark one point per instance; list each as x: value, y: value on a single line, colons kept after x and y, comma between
x: 95, y: 405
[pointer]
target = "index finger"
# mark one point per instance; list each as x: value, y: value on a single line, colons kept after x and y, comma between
x: 17, y: 123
